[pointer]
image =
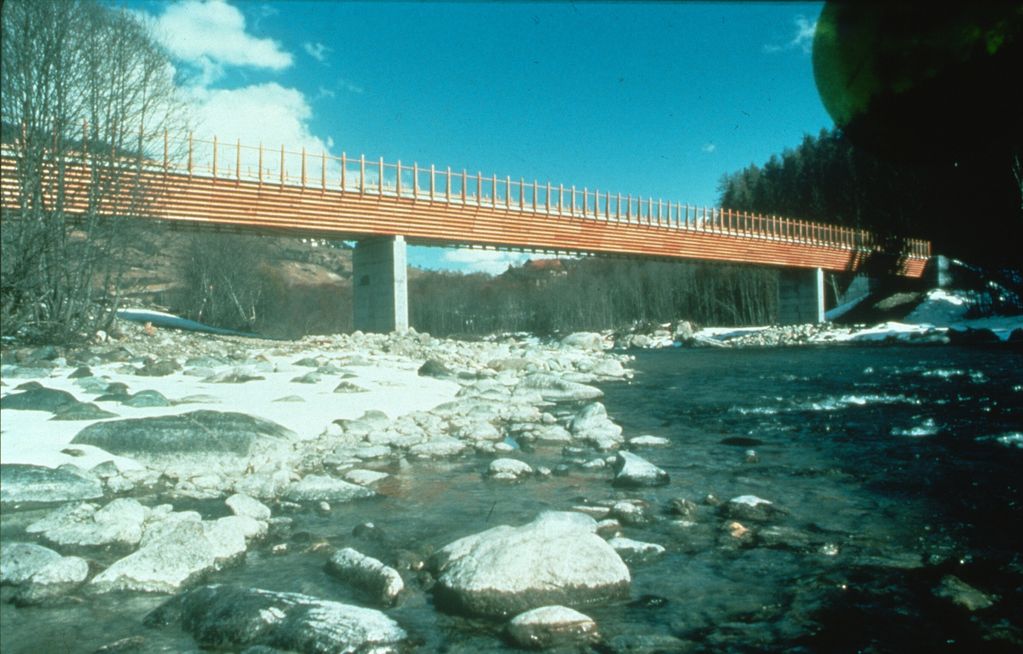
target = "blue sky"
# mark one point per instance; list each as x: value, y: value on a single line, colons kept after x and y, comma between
x: 655, y: 99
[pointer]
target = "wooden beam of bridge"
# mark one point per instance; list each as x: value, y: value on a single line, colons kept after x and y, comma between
x: 356, y: 209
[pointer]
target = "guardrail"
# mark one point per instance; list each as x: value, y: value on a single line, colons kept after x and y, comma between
x: 268, y: 167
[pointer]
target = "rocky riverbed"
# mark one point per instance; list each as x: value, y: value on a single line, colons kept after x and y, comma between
x: 166, y: 491
x: 116, y: 455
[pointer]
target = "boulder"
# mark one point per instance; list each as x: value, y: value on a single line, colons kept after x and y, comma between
x: 243, y: 505
x: 29, y: 483
x: 551, y: 626
x: 38, y: 399
x: 19, y: 561
x: 591, y: 341
x: 320, y: 488
x: 235, y: 617
x: 632, y: 470
x: 117, y: 523
x: 435, y: 368
x: 508, y: 469
x: 553, y: 388
x: 749, y: 507
x: 556, y: 559
x: 382, y: 584
x: 188, y: 433
x: 162, y: 566
x: 435, y: 449
x: 53, y: 580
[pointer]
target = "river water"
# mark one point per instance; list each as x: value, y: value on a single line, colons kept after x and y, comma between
x: 895, y: 472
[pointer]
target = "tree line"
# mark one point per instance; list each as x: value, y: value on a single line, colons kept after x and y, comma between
x: 551, y: 296
x: 971, y: 208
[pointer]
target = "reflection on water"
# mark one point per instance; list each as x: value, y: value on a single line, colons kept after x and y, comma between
x: 891, y: 468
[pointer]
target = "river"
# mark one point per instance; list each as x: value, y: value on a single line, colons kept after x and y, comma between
x: 894, y: 473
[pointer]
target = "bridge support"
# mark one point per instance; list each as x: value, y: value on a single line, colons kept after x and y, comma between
x: 800, y: 296
x: 380, y: 285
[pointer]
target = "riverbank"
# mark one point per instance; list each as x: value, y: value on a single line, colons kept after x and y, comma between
x: 145, y: 466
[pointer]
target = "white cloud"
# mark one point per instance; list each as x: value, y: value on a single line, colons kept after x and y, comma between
x: 805, y: 29
x: 211, y: 34
x: 709, y: 148
x: 267, y: 113
x: 802, y: 40
x: 493, y: 262
x: 317, y: 51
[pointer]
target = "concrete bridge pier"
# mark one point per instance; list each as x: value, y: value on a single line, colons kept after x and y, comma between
x: 380, y: 285
x: 800, y: 296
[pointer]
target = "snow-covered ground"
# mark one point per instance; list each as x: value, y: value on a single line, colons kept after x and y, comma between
x: 392, y: 386
x: 940, y: 311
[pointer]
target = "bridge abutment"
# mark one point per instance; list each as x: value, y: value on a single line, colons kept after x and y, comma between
x: 800, y: 296
x: 380, y: 284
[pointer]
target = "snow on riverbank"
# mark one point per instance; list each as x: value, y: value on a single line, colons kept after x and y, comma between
x: 941, y: 312
x: 391, y: 385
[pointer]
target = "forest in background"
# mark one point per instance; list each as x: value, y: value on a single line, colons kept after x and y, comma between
x: 971, y: 209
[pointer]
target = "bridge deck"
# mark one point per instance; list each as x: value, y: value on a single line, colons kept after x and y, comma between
x: 479, y: 211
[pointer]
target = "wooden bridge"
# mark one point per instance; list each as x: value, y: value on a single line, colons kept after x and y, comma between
x: 383, y: 205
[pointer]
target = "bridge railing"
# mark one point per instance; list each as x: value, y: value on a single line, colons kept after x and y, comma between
x: 233, y: 161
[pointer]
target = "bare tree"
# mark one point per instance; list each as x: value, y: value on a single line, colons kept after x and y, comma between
x: 84, y: 88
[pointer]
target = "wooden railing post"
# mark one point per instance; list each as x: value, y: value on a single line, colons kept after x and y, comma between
x: 536, y: 192
x: 344, y: 170
x: 547, y: 199
x: 397, y: 180
x: 323, y: 171
x: 362, y: 174
x: 522, y: 193
x: 447, y: 186
x: 303, y: 168
x: 479, y: 188
x: 571, y: 205
x: 433, y: 188
x: 415, y: 180
x: 507, y: 192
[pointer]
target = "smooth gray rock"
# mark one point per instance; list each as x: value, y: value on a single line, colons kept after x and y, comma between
x: 551, y: 626
x: 19, y: 561
x: 53, y: 580
x: 117, y: 523
x: 163, y: 566
x: 195, y: 432
x: 146, y: 399
x: 749, y: 507
x: 632, y: 470
x: 38, y: 399
x: 381, y: 583
x: 243, y: 505
x: 319, y: 488
x: 556, y: 559
x: 82, y: 411
x: 590, y: 341
x: 27, y: 483
x: 234, y: 617
x: 508, y: 469
x: 553, y: 388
